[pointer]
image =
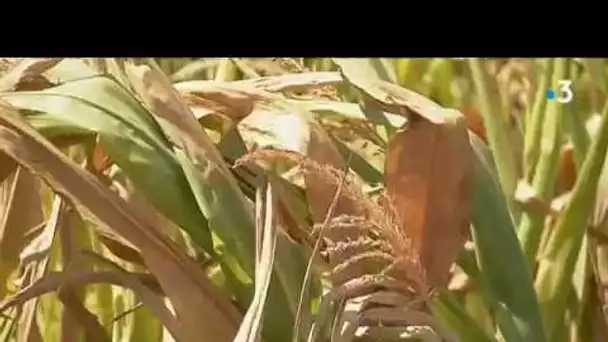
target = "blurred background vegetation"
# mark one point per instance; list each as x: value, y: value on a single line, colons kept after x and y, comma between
x: 177, y: 199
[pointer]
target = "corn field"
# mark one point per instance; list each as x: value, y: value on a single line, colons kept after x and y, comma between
x: 303, y: 200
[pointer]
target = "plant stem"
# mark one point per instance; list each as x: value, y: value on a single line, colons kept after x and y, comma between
x: 497, y: 131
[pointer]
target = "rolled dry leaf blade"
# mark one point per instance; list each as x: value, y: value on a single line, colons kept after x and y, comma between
x: 429, y: 169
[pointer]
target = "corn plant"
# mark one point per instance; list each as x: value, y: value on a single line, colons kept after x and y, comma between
x: 300, y: 199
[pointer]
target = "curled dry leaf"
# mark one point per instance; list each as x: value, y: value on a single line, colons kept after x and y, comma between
x: 429, y: 170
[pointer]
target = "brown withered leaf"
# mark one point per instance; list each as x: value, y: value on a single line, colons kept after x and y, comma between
x: 429, y: 169
x: 27, y: 75
x: 197, y: 303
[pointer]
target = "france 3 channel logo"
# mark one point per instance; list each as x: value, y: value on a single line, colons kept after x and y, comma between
x: 564, y: 93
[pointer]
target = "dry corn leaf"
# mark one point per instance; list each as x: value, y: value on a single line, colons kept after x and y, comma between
x: 7, y: 166
x: 53, y: 281
x: 295, y: 82
x: 34, y: 260
x: 429, y: 171
x: 196, y: 301
x: 27, y: 74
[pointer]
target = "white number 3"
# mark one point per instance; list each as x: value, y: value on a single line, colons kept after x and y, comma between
x: 566, y: 94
